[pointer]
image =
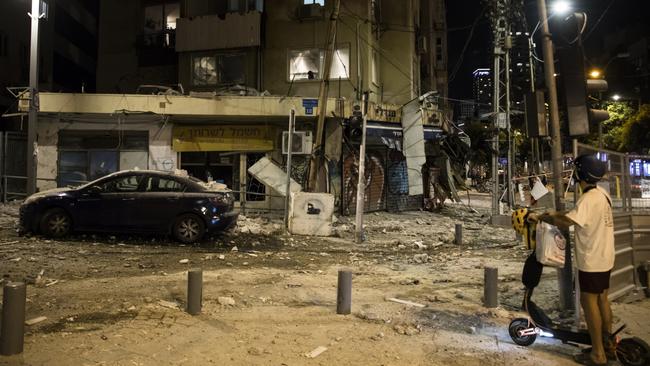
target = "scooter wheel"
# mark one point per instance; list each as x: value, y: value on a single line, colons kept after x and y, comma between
x: 633, y: 352
x: 518, y: 325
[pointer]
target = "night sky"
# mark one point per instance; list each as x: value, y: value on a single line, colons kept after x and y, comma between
x: 604, y: 17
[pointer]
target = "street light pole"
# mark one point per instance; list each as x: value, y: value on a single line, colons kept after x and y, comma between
x: 33, y: 104
x: 565, y: 276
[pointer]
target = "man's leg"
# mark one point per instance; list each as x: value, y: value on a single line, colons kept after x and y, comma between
x: 591, y: 308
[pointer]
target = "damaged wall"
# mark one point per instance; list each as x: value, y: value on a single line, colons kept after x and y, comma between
x: 160, y: 154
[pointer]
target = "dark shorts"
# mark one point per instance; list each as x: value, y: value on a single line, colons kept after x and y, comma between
x: 593, y: 282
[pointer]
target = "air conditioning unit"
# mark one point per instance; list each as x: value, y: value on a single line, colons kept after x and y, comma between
x: 301, y: 142
x: 310, y: 11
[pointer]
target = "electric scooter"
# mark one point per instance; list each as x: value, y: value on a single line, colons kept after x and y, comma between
x: 631, y: 351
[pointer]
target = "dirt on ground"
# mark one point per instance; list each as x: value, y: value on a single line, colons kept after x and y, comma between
x: 270, y: 298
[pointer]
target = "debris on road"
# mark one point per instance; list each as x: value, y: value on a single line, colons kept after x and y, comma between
x: 35, y: 320
x: 316, y: 352
x: 405, y: 302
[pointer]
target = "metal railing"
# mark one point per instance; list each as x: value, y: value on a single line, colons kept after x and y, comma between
x: 629, y: 191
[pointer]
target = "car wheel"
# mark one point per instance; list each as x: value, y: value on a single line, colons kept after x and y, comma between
x: 188, y: 228
x: 56, y: 223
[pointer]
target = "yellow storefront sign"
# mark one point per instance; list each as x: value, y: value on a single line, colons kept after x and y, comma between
x: 223, y: 138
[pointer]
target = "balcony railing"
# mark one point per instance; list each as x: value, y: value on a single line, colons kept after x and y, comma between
x: 210, y: 32
x: 159, y: 40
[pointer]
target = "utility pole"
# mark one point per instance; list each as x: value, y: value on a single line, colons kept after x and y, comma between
x: 32, y: 121
x: 287, y: 198
x: 501, y: 94
x: 361, y: 184
x: 565, y: 276
x: 316, y: 157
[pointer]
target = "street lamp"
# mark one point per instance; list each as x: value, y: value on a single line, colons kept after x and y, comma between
x: 616, y: 97
x: 595, y: 74
x: 561, y: 7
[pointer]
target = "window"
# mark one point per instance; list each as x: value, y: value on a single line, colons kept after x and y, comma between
x: 374, y: 71
x: 128, y: 183
x: 439, y: 52
x: 88, y: 155
x: 158, y: 18
x: 219, y: 69
x: 159, y: 184
x: 309, y: 2
x: 308, y: 64
x: 242, y: 6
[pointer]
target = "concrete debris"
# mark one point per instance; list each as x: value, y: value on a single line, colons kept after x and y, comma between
x: 421, y: 258
x: 35, y: 320
x: 406, y: 329
x: 405, y: 302
x: 221, y: 257
x: 168, y: 304
x: 226, y: 301
x: 184, y: 261
x: 419, y: 245
x: 234, y: 249
x: 316, y: 352
x: 377, y: 336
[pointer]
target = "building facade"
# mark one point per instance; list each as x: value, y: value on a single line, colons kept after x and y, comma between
x: 483, y: 91
x: 207, y: 86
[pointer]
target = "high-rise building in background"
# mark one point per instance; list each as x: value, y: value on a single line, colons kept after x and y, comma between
x: 520, y: 65
x: 483, y: 91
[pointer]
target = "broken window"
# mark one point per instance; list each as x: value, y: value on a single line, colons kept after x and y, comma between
x: 219, y: 69
x: 308, y: 64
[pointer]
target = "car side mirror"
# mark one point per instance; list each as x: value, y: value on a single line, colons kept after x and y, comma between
x: 94, y: 190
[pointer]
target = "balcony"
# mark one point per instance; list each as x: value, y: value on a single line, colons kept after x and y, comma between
x: 210, y: 32
x: 159, y: 40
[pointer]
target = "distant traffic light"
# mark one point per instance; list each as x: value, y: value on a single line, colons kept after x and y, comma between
x: 576, y: 86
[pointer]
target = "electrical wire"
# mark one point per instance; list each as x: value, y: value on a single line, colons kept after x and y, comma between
x: 591, y: 31
x: 456, y: 68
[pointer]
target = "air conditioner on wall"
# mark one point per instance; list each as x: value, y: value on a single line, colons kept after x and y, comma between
x: 300, y: 143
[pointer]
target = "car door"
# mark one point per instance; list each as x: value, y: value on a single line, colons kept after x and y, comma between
x: 158, y: 203
x: 105, y: 205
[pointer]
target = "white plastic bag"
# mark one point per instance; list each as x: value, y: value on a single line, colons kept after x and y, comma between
x: 550, y: 245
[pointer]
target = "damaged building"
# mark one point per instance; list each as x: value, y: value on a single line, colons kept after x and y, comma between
x: 207, y: 86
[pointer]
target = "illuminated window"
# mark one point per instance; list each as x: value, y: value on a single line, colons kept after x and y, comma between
x: 308, y: 64
x: 220, y: 69
x: 319, y: 2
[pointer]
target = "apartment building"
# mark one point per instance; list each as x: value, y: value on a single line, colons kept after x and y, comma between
x: 207, y: 86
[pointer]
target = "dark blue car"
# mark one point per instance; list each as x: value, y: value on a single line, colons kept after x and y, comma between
x: 132, y: 201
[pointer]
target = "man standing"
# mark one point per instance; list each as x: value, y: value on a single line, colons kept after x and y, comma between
x: 594, y: 235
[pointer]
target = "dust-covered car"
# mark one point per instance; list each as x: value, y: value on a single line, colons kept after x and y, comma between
x: 139, y: 201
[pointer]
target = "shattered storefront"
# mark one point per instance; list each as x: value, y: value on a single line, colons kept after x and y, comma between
x: 224, y: 152
x: 386, y: 170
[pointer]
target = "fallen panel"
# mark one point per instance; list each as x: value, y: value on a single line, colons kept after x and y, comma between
x: 273, y: 176
x: 413, y: 141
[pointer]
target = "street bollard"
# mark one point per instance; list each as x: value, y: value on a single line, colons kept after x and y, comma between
x: 459, y: 234
x: 194, y: 291
x: 344, y: 294
x: 12, y: 332
x: 490, y: 289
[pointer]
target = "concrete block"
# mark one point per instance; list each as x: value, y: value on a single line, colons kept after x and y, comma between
x: 311, y: 213
x: 273, y: 176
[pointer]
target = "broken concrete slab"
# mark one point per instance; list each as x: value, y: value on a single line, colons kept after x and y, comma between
x: 269, y: 173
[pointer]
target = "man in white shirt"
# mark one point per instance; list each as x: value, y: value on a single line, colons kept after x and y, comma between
x: 594, y: 233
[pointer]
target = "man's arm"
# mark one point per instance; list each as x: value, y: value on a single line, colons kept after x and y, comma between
x: 556, y: 218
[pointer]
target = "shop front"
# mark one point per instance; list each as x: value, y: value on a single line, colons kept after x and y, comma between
x: 224, y: 152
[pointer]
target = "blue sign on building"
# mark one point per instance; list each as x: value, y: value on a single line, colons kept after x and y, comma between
x: 309, y: 105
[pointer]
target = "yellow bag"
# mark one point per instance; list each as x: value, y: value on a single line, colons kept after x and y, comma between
x: 521, y: 226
